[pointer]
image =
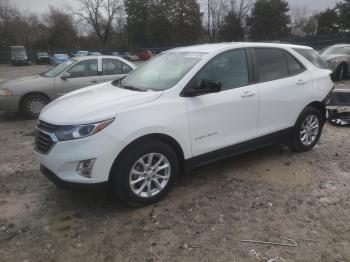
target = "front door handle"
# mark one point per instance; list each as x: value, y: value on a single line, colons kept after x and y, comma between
x: 94, y: 81
x: 247, y: 94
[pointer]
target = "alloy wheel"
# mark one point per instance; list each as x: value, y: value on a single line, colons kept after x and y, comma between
x: 150, y: 175
x: 309, y: 130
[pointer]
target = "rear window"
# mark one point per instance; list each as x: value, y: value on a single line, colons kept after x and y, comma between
x: 313, y: 57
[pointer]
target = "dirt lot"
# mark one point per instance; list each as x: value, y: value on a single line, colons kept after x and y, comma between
x: 262, y: 195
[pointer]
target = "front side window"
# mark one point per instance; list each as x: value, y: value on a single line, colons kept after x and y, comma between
x: 58, y: 69
x: 114, y: 67
x: 163, y: 71
x: 230, y: 69
x: 271, y: 64
x: 313, y: 57
x: 84, y: 68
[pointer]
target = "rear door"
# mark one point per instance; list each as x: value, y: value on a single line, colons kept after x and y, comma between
x: 82, y: 74
x: 113, y: 69
x: 284, y: 87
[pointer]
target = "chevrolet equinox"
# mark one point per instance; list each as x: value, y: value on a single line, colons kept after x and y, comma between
x: 183, y: 108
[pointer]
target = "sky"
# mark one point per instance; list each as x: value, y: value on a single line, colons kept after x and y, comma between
x: 34, y: 6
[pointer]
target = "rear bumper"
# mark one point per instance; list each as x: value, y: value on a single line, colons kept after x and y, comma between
x: 72, y: 185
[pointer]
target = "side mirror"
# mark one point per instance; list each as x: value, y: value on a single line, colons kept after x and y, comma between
x: 65, y: 76
x: 206, y: 87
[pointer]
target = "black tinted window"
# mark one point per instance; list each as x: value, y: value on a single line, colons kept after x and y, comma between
x: 294, y: 65
x: 271, y: 64
x: 84, y: 69
x: 229, y: 68
x: 313, y: 57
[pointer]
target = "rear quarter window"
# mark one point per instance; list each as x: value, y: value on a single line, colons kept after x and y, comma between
x: 313, y: 57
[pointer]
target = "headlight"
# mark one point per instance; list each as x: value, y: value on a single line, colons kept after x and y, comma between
x: 72, y: 132
x: 5, y: 92
x: 335, y: 61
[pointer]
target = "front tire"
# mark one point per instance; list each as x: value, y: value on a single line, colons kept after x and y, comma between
x: 32, y: 105
x: 307, y: 130
x: 145, y: 173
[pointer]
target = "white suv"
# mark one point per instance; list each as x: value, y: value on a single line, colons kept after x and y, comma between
x: 185, y: 107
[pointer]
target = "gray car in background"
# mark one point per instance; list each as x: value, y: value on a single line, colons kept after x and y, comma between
x: 30, y: 94
x: 338, y: 59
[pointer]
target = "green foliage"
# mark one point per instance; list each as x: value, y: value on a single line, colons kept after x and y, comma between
x: 269, y: 20
x: 232, y: 28
x: 343, y: 10
x: 328, y: 22
x: 163, y: 22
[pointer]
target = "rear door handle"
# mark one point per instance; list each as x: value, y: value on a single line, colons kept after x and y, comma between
x: 301, y: 82
x: 247, y: 94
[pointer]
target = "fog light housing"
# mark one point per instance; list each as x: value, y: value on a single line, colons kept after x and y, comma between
x: 85, y: 167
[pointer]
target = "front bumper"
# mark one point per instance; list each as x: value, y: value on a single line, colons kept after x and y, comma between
x: 9, y: 103
x: 63, y: 158
x: 70, y: 185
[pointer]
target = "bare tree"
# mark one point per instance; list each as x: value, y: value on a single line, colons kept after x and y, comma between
x: 100, y: 15
x: 299, y: 19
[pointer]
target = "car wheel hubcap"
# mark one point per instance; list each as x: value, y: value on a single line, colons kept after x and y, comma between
x: 149, y: 175
x: 309, y: 130
x: 35, y: 105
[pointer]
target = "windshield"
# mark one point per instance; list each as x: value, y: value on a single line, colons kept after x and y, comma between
x: 162, y: 72
x: 53, y: 72
x: 18, y: 51
x: 336, y: 50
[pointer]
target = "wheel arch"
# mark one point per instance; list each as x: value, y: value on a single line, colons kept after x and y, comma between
x: 320, y: 106
x: 30, y: 94
x: 173, y: 143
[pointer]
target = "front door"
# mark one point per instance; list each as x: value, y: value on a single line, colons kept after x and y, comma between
x: 81, y: 74
x: 219, y: 120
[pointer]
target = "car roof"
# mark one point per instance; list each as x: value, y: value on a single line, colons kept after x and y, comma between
x: 213, y: 48
x: 81, y: 58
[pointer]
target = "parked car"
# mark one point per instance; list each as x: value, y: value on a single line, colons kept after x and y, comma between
x: 42, y: 58
x: 131, y: 56
x: 19, y: 55
x: 30, y: 94
x: 57, y: 59
x: 94, y: 53
x: 145, y: 55
x: 80, y: 53
x: 338, y: 59
x: 186, y: 107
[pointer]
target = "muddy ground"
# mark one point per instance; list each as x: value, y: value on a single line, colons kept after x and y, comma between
x: 261, y: 195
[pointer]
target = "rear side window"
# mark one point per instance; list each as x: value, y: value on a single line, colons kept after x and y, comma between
x: 271, y: 64
x: 114, y: 67
x: 294, y: 65
x: 313, y: 57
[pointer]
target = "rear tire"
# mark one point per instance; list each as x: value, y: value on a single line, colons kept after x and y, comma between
x: 32, y: 105
x: 307, y: 130
x: 141, y: 177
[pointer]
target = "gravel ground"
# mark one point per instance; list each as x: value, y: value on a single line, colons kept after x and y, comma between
x: 261, y: 195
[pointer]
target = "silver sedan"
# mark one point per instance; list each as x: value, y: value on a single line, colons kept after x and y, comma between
x: 30, y: 94
x: 338, y: 59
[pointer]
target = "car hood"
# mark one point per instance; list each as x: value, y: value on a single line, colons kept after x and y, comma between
x: 21, y: 82
x: 93, y: 104
x: 332, y: 57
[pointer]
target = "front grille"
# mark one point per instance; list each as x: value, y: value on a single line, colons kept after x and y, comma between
x: 46, y: 127
x: 44, y: 139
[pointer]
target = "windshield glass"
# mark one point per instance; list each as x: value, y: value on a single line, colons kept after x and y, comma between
x: 53, y: 72
x: 18, y: 51
x: 336, y: 50
x: 162, y: 72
